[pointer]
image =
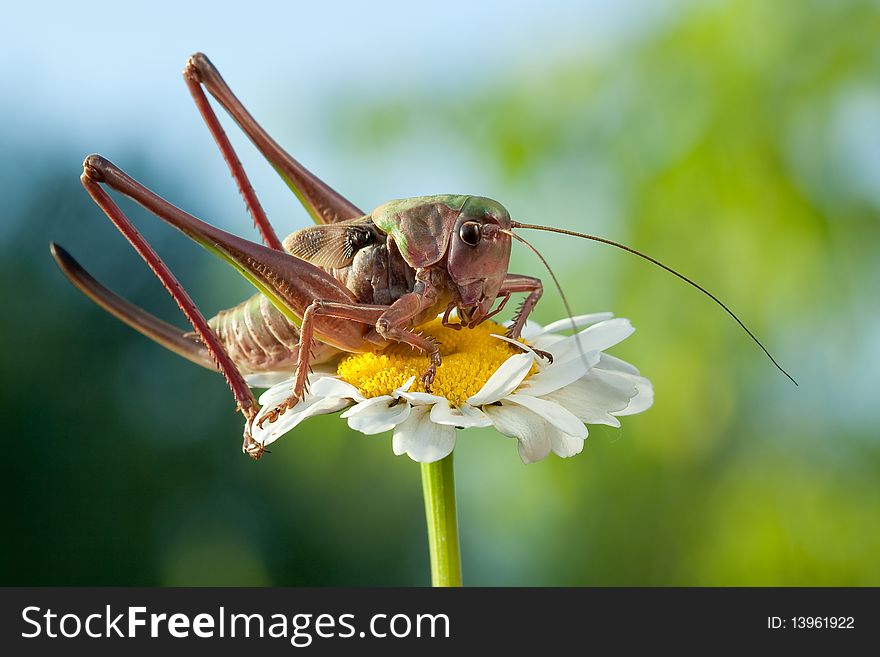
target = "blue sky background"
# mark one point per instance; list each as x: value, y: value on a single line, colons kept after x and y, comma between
x: 81, y: 79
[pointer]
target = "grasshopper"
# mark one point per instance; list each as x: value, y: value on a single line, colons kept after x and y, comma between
x: 354, y: 282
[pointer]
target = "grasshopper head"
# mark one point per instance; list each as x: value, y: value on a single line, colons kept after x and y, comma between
x: 479, y: 252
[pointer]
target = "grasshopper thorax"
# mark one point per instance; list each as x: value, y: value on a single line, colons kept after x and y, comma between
x: 467, y: 235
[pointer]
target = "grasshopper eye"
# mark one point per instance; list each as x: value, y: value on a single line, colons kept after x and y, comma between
x: 470, y: 233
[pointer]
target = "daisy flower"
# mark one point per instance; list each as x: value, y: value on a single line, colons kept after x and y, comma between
x: 485, y: 380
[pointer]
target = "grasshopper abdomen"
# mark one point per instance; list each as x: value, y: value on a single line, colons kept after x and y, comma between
x: 259, y: 338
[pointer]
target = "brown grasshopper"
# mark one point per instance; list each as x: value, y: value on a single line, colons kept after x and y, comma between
x: 355, y: 282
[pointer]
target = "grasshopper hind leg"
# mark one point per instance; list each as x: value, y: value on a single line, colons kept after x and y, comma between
x: 172, y: 338
x: 322, y: 202
x: 92, y: 176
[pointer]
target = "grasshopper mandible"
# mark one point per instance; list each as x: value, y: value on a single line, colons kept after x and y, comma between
x: 355, y: 282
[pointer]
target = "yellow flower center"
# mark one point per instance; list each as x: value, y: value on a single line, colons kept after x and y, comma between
x: 470, y: 357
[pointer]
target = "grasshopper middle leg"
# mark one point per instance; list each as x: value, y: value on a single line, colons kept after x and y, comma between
x: 389, y: 324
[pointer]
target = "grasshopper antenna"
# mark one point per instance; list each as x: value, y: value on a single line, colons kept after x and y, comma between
x: 603, y: 240
x: 546, y: 264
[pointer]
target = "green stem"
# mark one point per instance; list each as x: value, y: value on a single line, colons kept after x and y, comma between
x: 438, y: 487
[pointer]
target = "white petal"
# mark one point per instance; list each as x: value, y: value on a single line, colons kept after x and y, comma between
x: 598, y: 396
x: 642, y: 401
x: 504, y: 380
x: 266, y: 379
x: 421, y: 439
x: 540, y: 362
x: 547, y: 341
x: 282, y: 390
x: 377, y: 414
x: 309, y: 407
x: 277, y: 393
x: 579, y: 322
x: 421, y: 398
x: 640, y: 389
x: 558, y: 375
x: 532, y: 432
x: 464, y: 417
x: 328, y: 386
x: 608, y: 362
x: 598, y: 337
x: 406, y: 386
x: 565, y: 445
x: 367, y: 404
x: 515, y: 343
x: 558, y: 416
x: 530, y: 330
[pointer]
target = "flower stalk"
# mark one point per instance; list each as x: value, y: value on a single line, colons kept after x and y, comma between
x: 438, y: 488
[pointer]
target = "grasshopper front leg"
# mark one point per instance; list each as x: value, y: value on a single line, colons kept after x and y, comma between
x: 512, y: 283
x: 405, y: 312
x: 520, y: 283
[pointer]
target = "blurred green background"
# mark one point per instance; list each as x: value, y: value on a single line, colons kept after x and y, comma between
x: 738, y: 141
